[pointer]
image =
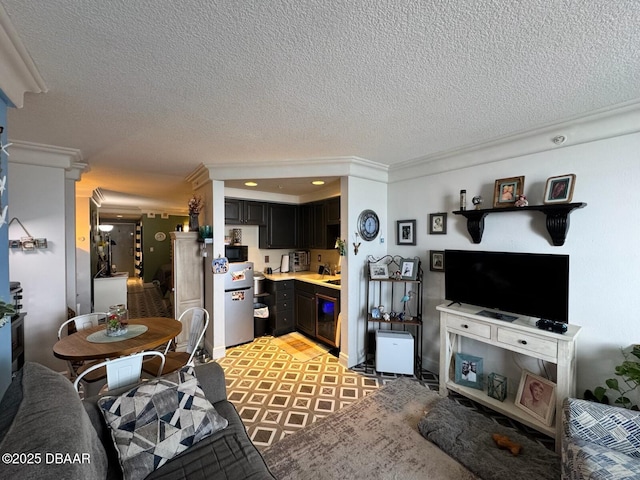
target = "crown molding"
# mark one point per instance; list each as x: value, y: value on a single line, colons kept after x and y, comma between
x: 20, y: 74
x: 312, y: 167
x: 610, y: 122
x: 29, y: 153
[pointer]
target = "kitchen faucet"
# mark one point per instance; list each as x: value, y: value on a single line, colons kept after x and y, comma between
x: 326, y: 270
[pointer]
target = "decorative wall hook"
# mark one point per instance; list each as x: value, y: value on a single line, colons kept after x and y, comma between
x: 356, y: 245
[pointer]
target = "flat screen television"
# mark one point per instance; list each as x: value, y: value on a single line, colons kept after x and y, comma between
x: 535, y: 285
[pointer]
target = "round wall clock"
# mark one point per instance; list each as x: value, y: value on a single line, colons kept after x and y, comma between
x: 160, y: 236
x: 368, y: 225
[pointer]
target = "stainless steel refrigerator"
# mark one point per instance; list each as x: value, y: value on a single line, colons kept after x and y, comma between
x: 238, y: 304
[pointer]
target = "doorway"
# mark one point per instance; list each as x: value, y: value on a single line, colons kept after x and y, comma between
x: 122, y: 247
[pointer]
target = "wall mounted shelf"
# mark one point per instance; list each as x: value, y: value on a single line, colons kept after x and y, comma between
x: 557, y: 219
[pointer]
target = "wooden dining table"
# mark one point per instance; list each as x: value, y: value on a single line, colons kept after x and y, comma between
x: 77, y: 347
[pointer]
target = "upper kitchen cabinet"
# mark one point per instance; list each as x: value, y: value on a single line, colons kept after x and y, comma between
x: 319, y: 224
x: 333, y: 211
x: 281, y: 229
x: 244, y: 212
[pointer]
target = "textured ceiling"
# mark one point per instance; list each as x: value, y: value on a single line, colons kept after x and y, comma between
x: 163, y: 86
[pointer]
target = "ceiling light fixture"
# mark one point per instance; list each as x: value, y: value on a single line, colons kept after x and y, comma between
x: 105, y: 228
x: 251, y: 184
x: 318, y: 182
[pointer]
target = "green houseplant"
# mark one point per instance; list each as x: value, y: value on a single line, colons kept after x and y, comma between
x: 629, y: 373
x: 6, y: 310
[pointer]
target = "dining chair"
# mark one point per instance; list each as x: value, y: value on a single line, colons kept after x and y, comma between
x: 122, y: 371
x: 82, y: 322
x: 194, y: 321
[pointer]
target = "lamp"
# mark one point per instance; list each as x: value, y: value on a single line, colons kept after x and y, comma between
x: 105, y: 228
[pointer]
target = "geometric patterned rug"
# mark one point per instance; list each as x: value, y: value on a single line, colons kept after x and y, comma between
x: 277, y: 395
x: 299, y: 347
x: 145, y: 300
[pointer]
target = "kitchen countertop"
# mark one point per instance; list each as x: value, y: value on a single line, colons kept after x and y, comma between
x: 307, y: 276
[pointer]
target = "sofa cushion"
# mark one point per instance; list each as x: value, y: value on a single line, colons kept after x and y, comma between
x: 157, y: 420
x: 50, y: 427
x: 582, y: 459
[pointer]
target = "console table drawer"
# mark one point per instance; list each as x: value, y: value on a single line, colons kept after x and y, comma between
x: 469, y: 326
x: 541, y: 346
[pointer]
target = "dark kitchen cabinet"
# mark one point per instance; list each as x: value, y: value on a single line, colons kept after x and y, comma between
x: 281, y: 306
x: 317, y: 309
x: 281, y: 229
x: 305, y: 308
x: 332, y: 209
x: 244, y: 212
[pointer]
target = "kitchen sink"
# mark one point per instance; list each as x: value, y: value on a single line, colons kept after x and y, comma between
x: 334, y: 282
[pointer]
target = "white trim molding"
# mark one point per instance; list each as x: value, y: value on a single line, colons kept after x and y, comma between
x: 622, y: 119
x: 19, y: 74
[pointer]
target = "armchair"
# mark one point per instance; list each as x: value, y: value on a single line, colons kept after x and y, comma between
x: 599, y: 441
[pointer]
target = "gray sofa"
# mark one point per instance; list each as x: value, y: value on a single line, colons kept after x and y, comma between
x: 47, y: 432
x: 599, y: 441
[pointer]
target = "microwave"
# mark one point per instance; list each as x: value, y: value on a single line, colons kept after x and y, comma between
x: 236, y: 253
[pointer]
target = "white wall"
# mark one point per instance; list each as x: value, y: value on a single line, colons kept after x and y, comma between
x: 38, y: 200
x: 601, y: 242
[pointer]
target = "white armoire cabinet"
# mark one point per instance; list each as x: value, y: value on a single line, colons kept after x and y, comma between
x: 188, y: 275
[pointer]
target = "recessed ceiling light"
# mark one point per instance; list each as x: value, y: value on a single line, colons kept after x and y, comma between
x: 251, y: 184
x: 318, y: 182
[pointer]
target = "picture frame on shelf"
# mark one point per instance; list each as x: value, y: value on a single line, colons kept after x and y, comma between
x: 409, y: 268
x: 438, y: 223
x: 378, y: 271
x: 436, y: 260
x: 406, y: 232
x: 537, y: 396
x: 468, y: 370
x: 506, y: 191
x: 559, y: 189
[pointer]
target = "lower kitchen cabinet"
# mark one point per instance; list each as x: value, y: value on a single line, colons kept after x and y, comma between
x: 281, y: 306
x: 317, y: 309
x: 305, y: 308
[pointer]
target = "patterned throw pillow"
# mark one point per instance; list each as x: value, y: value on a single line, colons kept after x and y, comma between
x: 156, y: 420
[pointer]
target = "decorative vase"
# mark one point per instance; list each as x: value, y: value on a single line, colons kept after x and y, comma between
x: 193, y: 222
x: 117, y: 320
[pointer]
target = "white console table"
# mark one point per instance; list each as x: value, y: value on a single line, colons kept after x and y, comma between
x: 521, y: 336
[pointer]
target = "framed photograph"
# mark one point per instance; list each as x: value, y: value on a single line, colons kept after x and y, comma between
x: 506, y: 190
x: 537, y: 396
x: 378, y: 271
x: 437, y: 223
x: 468, y: 370
x: 409, y: 268
x: 559, y: 189
x: 406, y: 232
x: 436, y: 260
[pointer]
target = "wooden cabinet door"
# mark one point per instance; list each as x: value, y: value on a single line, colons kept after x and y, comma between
x: 233, y: 211
x: 306, y: 312
x: 254, y: 213
x: 281, y: 229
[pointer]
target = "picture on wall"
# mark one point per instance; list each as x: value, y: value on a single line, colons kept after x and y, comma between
x: 468, y: 370
x: 559, y: 189
x: 537, y: 396
x: 436, y: 260
x: 438, y: 223
x: 506, y: 191
x: 406, y: 232
x: 409, y: 268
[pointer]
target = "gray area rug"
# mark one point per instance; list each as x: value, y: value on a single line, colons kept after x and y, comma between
x: 374, y: 438
x: 465, y: 435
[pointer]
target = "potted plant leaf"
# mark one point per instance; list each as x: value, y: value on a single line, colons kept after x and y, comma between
x: 629, y: 373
